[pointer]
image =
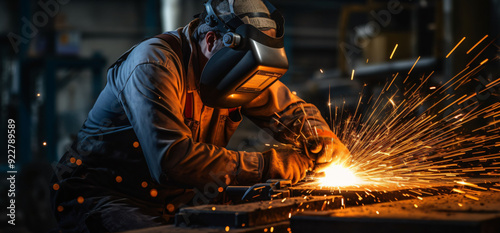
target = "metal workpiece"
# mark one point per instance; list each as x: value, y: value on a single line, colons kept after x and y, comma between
x: 371, y: 194
x: 255, y: 213
x: 448, y: 213
x: 461, y: 207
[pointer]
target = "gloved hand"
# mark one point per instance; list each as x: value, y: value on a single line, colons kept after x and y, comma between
x: 325, y: 150
x: 285, y: 163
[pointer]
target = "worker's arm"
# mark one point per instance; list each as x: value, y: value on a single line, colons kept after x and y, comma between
x: 153, y: 99
x: 293, y: 121
x: 289, y: 118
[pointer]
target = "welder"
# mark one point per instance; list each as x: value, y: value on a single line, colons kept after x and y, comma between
x: 155, y: 139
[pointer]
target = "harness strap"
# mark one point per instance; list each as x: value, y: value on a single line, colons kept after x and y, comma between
x: 175, y: 45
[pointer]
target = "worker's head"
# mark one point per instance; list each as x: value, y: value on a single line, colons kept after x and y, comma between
x: 253, y: 12
x: 243, y: 40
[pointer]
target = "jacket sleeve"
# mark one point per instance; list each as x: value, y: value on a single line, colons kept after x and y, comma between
x: 288, y: 118
x: 153, y: 101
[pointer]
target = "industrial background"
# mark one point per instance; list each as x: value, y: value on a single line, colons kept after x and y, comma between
x: 54, y: 56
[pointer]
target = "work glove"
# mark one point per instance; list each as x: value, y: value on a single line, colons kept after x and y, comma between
x: 285, y: 163
x: 325, y: 149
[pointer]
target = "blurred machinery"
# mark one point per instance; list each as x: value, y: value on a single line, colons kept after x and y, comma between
x: 378, y: 39
x: 53, y: 64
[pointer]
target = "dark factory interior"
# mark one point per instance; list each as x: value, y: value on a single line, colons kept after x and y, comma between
x: 410, y: 87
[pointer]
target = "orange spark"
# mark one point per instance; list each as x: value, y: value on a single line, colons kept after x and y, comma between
x: 414, y: 65
x: 493, y: 83
x: 455, y: 47
x: 472, y: 197
x: 480, y: 52
x: 153, y: 192
x: 394, y: 50
x: 392, y: 102
x: 479, y: 42
x: 392, y: 81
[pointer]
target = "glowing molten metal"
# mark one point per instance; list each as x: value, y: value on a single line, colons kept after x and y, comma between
x: 339, y: 175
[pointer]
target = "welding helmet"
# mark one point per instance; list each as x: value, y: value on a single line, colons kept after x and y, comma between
x: 249, y: 62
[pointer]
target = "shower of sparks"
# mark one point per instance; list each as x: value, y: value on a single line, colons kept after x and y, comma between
x: 455, y: 47
x: 420, y: 135
x: 393, y: 51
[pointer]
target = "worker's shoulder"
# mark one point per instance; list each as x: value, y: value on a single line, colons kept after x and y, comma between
x: 154, y: 51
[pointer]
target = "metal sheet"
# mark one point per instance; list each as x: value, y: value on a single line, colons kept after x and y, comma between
x: 447, y: 213
x: 253, y: 214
